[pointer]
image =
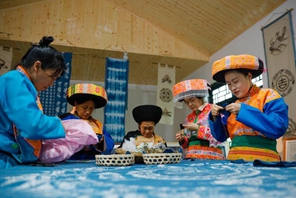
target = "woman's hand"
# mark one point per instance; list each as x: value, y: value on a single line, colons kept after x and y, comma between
x: 180, y: 136
x: 102, y: 139
x: 120, y: 151
x: 87, y: 148
x: 233, y: 108
x: 216, y: 110
x: 191, y: 126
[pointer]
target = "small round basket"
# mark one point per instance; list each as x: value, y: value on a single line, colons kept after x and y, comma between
x: 162, y: 158
x: 115, y: 160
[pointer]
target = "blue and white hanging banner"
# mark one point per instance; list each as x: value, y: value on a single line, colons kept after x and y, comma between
x: 53, y: 99
x: 116, y: 86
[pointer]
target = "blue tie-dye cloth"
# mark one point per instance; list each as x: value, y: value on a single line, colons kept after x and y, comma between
x: 116, y: 85
x: 188, y: 179
x: 53, y: 99
x: 274, y: 164
x: 261, y: 163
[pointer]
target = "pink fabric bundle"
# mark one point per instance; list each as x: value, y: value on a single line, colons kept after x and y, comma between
x: 78, y: 134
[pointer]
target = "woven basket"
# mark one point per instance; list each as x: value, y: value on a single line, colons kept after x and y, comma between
x: 115, y: 160
x: 162, y: 158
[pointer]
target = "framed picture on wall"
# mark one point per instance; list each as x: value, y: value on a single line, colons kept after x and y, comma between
x: 289, y: 150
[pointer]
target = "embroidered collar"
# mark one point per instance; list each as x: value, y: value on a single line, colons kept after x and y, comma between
x: 253, y: 90
x: 23, y: 71
x: 201, y: 108
x: 20, y: 69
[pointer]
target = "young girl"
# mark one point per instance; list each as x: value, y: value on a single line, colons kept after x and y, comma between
x: 256, y: 119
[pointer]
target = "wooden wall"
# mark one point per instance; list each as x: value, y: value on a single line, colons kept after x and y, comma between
x: 95, y: 24
x: 94, y: 30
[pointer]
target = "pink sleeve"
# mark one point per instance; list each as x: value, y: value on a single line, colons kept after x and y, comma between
x: 78, y: 134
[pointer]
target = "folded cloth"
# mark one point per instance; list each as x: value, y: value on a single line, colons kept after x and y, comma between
x: 274, y: 164
x: 224, y: 112
x: 168, y: 150
x: 78, y: 134
x: 239, y: 161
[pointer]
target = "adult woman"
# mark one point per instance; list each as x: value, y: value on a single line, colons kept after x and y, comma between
x: 256, y: 119
x: 196, y: 137
x: 20, y: 140
x: 144, y: 138
x: 85, y: 98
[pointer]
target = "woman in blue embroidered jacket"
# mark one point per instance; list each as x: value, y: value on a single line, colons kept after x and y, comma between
x: 256, y: 119
x: 85, y: 98
x: 22, y: 122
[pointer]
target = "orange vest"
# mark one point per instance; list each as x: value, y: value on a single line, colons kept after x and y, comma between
x: 256, y: 98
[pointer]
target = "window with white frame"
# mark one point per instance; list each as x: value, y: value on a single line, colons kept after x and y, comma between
x: 221, y: 94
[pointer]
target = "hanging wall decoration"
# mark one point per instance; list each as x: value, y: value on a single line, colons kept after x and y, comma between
x: 5, y: 60
x: 278, y: 37
x: 166, y: 80
x: 116, y: 86
x: 280, y: 60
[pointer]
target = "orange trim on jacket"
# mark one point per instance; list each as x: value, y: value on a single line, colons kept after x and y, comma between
x: 262, y: 96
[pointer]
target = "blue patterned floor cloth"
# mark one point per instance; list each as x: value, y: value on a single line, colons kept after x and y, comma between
x: 116, y: 86
x: 53, y: 99
x: 188, y: 179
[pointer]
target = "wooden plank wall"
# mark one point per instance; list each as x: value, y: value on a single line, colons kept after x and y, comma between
x: 95, y: 24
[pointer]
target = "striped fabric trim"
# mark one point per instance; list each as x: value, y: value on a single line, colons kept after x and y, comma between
x: 204, y: 152
x: 254, y: 142
x: 251, y: 154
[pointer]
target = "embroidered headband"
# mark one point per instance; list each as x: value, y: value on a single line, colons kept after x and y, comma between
x: 86, y: 91
x: 190, y: 88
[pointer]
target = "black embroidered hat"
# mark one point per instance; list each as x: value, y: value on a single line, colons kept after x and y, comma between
x: 147, y: 113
